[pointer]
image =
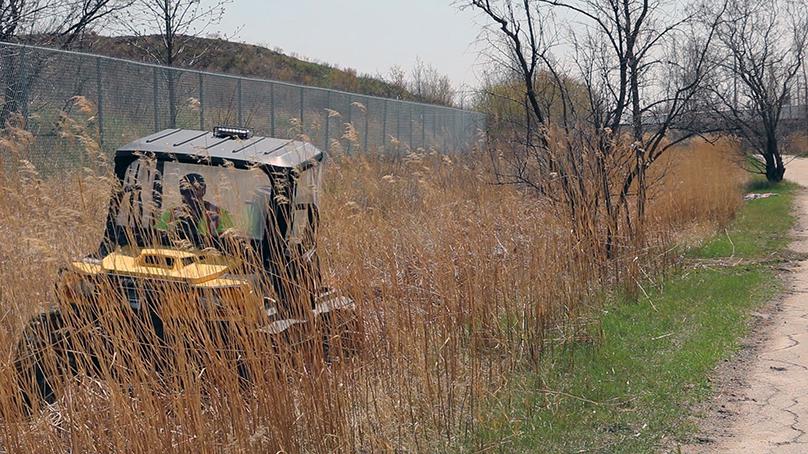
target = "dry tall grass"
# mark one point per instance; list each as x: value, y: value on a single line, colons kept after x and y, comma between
x: 699, y: 189
x: 796, y: 144
x: 459, y: 283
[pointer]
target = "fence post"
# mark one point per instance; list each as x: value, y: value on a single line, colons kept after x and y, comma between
x: 156, y: 114
x: 272, y: 109
x: 327, y: 118
x: 21, y: 90
x: 240, y: 106
x: 398, y: 124
x: 457, y: 131
x: 483, y: 137
x: 465, y: 128
x: 445, y: 135
x: 455, y: 134
x: 423, y: 127
x: 201, y: 101
x: 301, y: 109
x: 350, y: 110
x: 367, y: 124
x: 384, y: 124
x: 412, y: 126
x: 100, y: 96
x: 434, y: 128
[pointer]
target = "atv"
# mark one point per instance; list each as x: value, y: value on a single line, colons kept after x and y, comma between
x: 209, y: 235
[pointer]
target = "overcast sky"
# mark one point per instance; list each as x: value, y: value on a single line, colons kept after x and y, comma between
x: 368, y: 35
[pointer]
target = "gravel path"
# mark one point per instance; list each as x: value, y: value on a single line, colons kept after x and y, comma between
x: 764, y: 408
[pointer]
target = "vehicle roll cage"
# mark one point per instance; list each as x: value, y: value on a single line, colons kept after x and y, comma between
x: 116, y: 236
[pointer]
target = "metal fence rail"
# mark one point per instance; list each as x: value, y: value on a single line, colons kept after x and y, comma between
x: 123, y: 100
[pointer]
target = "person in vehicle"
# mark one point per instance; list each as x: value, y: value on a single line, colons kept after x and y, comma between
x: 195, y: 212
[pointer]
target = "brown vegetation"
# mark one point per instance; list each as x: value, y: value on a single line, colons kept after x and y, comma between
x: 797, y: 144
x: 459, y: 282
x: 223, y: 56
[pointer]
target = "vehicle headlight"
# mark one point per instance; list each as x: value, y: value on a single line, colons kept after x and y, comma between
x: 74, y: 285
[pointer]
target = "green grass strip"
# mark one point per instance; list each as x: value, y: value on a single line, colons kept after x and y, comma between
x: 760, y: 229
x: 631, y: 392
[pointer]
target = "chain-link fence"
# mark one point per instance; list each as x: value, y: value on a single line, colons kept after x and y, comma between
x: 122, y: 100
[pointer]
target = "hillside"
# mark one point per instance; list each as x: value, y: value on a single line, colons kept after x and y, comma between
x: 254, y: 61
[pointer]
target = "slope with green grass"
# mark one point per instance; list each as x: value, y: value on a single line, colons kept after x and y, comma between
x: 631, y: 392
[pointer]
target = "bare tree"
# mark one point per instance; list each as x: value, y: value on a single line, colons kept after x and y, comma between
x: 168, y: 31
x: 430, y: 85
x: 53, y: 23
x: 624, y: 57
x: 425, y: 83
x: 397, y: 77
x: 762, y: 45
x: 641, y: 82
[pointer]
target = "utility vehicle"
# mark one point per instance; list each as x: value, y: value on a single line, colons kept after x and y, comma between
x: 210, y: 236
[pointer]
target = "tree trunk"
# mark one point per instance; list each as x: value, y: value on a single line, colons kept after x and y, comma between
x: 611, y: 216
x: 775, y: 169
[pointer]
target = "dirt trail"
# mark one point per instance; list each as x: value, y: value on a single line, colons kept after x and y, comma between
x: 765, y: 407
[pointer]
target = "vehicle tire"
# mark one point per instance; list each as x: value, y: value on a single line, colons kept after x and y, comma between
x: 42, y: 357
x: 345, y: 334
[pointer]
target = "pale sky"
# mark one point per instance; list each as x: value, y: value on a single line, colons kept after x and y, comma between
x: 370, y: 36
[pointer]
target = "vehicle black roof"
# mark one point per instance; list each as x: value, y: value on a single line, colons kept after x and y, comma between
x: 203, y: 144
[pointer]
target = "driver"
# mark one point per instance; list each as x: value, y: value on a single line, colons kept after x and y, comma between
x: 208, y: 219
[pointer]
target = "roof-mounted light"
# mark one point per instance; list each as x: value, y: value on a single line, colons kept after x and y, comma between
x: 226, y: 132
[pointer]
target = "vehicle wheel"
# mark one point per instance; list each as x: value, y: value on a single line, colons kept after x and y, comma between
x: 345, y: 334
x: 43, y: 356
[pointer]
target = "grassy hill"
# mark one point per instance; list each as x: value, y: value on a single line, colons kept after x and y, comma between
x: 218, y: 55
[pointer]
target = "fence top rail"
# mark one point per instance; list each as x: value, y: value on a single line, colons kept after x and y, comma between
x: 231, y: 76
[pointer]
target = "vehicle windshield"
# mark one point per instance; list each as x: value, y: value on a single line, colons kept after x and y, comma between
x: 210, y: 201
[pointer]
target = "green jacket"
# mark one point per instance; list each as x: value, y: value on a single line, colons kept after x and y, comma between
x: 167, y: 219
